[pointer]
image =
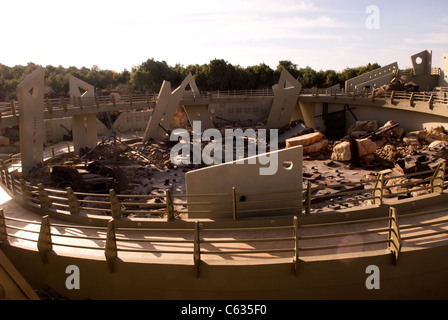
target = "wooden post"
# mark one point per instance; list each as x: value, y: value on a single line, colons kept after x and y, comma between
x: 3, y: 233
x: 81, y: 105
x: 378, y: 190
x: 308, y: 198
x: 63, y: 104
x: 114, y: 204
x: 24, y: 189
x: 111, y: 252
x: 438, y: 179
x: 49, y: 106
x: 73, y: 202
x: 296, y: 245
x: 394, y: 244
x: 411, y: 99
x: 197, y: 249
x: 13, y: 108
x: 44, y: 244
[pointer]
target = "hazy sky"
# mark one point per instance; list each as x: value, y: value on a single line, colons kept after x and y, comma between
x: 322, y: 34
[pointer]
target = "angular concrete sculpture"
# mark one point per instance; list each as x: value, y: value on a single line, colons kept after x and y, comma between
x: 253, y: 195
x: 422, y: 62
x: 166, y: 107
x: 30, y: 93
x: 84, y: 126
x: 286, y: 94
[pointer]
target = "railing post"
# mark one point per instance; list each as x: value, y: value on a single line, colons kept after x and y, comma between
x: 113, y: 100
x: 2, y: 172
x: 111, y: 252
x: 49, y: 106
x: 308, y: 198
x: 169, y: 206
x: 63, y: 104
x: 44, y: 200
x: 68, y: 147
x: 438, y: 179
x: 197, y: 249
x: 44, y: 244
x: 296, y: 245
x: 13, y: 108
x: 392, y: 96
x: 81, y: 105
x: 378, y: 190
x: 411, y: 99
x: 394, y: 244
x: 431, y: 101
x: 24, y: 189
x: 234, y: 204
x: 73, y: 203
x: 3, y: 234
x: 4, y: 168
x: 97, y: 103
x: 115, y: 204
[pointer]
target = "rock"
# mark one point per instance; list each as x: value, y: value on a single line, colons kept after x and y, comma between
x: 365, y: 147
x: 316, y: 146
x: 435, y: 134
x: 4, y: 141
x: 369, y: 126
x: 438, y: 145
x: 358, y: 134
x: 341, y: 152
x: 304, y: 140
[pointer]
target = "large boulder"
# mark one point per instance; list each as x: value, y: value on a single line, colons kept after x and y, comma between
x: 304, y: 140
x: 367, y: 126
x: 342, y: 152
x: 315, y: 147
x: 365, y: 147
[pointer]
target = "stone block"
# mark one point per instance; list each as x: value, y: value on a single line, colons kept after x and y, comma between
x: 304, y: 140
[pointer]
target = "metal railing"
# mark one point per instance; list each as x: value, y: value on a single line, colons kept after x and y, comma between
x: 130, y: 101
x: 196, y: 240
x: 168, y: 205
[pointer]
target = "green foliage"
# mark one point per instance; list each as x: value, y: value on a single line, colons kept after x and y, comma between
x: 218, y: 74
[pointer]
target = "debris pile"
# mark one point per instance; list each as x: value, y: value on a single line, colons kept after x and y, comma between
x: 398, y: 85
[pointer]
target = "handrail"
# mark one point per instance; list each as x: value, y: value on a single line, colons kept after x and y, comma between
x: 393, y: 240
x: 9, y: 109
x: 74, y: 202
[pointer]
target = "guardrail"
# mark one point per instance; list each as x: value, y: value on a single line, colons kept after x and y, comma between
x: 10, y: 109
x: 197, y: 240
x: 168, y: 205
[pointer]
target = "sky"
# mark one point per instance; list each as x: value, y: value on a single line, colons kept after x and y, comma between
x: 322, y: 34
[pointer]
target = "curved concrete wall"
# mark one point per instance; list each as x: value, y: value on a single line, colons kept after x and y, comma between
x: 420, y: 274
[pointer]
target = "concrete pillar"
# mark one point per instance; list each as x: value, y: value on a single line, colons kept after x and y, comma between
x: 308, y: 110
x: 443, y: 78
x: 30, y: 93
x: 166, y: 107
x: 84, y: 127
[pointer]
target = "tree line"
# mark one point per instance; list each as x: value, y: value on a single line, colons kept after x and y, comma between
x: 218, y: 74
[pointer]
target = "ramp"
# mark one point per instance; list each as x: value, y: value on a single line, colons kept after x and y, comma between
x: 12, y: 285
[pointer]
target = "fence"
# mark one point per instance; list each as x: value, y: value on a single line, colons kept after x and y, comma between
x: 312, y: 199
x: 112, y: 241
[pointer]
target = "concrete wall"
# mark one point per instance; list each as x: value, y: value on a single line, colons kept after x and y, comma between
x: 419, y: 274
